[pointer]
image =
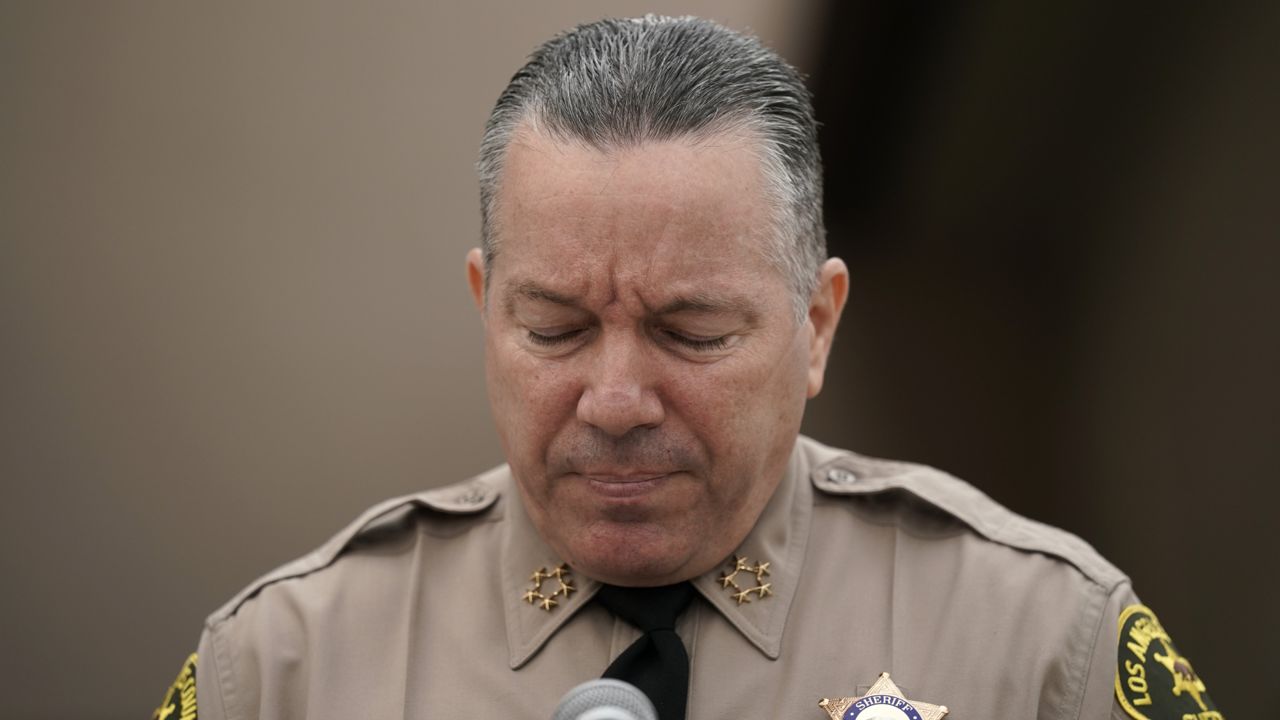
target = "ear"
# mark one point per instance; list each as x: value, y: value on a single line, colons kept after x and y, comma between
x: 475, y: 276
x: 824, y: 314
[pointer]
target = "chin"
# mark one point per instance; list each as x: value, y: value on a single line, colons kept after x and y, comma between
x: 631, y: 556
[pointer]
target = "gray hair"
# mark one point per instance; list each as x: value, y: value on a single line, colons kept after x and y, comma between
x: 619, y: 83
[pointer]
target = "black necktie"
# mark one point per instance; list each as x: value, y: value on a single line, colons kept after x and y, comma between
x: 657, y: 662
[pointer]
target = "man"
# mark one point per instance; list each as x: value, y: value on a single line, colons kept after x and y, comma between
x: 657, y: 309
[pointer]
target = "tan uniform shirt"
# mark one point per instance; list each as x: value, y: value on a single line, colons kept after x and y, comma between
x: 435, y: 605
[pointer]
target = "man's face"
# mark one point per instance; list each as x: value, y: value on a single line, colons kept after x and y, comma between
x: 645, y: 367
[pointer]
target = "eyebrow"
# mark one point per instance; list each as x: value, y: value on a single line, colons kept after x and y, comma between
x: 702, y: 303
x: 697, y: 302
x: 530, y: 290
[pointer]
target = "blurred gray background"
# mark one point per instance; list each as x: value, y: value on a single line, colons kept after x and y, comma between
x: 233, y: 314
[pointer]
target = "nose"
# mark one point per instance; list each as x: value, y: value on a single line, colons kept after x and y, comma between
x: 618, y: 395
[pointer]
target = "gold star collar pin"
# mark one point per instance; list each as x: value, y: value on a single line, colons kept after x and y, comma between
x: 883, y: 700
x: 561, y: 579
x: 740, y: 565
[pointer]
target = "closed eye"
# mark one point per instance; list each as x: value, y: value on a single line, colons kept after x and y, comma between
x: 553, y: 340
x: 697, y: 343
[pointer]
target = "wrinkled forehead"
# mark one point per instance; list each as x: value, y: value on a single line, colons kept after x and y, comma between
x: 712, y: 181
x: 652, y: 220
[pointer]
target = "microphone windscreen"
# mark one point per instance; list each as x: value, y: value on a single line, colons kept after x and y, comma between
x: 605, y: 699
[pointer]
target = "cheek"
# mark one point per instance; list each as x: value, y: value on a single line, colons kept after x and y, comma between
x: 754, y: 384
x: 529, y: 399
x: 719, y: 405
x: 741, y: 410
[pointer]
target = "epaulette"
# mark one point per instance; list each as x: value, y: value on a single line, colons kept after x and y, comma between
x: 850, y: 474
x: 469, y: 497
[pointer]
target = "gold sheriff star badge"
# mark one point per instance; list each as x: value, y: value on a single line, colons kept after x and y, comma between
x: 883, y: 700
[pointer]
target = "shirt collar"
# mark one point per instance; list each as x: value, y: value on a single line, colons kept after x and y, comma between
x: 778, y: 538
x: 523, y: 553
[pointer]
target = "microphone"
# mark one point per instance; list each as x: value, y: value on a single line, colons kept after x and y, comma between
x: 605, y: 699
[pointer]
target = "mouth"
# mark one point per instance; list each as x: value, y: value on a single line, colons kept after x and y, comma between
x: 625, y: 485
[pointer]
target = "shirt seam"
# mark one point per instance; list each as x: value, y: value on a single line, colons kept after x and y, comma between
x: 222, y: 672
x: 1090, y: 656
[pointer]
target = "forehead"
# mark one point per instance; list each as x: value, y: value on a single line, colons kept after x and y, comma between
x: 683, y: 211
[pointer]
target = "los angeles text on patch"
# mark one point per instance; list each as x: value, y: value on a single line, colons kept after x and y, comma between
x: 1154, y: 682
x: 180, y: 701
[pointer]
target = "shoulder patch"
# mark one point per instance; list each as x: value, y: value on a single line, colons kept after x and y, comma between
x: 180, y: 701
x: 1154, y: 682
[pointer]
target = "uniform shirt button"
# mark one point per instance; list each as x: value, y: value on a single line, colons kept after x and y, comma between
x: 472, y: 496
x: 841, y: 476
